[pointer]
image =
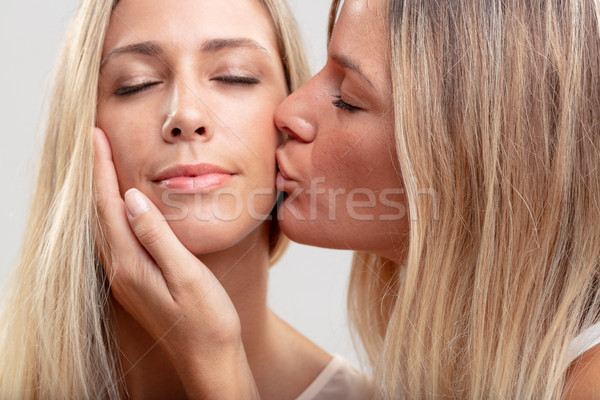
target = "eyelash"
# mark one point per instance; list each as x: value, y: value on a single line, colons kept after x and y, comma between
x: 341, y: 104
x: 128, y: 90
x: 239, y: 80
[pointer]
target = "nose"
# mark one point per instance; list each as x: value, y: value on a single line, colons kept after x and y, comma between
x: 296, y: 115
x: 189, y: 116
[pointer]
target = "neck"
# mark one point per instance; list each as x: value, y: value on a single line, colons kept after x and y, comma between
x: 243, y: 271
x: 282, y: 361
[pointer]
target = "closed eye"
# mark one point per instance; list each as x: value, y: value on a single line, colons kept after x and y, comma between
x: 341, y: 104
x: 237, y: 80
x: 131, y: 89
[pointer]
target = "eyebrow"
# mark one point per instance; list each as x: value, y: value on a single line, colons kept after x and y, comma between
x: 347, y: 63
x: 145, y: 48
x: 209, y: 46
x: 214, y: 45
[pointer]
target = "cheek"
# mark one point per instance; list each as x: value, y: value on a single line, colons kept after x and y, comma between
x: 342, y: 159
x: 132, y: 136
x: 253, y: 137
x: 359, y: 167
x: 362, y: 157
x: 260, y: 166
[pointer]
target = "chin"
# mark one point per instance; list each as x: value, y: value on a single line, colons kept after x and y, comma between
x: 203, y: 228
x: 310, y: 233
x: 205, y: 237
x: 341, y: 234
x: 300, y: 231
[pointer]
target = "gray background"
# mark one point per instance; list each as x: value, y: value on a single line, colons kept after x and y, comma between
x: 307, y: 287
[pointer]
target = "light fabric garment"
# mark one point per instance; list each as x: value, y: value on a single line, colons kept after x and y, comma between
x: 339, y: 380
x: 584, y: 341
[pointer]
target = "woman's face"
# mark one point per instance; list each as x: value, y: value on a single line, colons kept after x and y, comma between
x: 187, y: 94
x: 339, y: 167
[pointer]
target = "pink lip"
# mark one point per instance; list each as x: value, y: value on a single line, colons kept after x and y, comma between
x: 284, y: 182
x: 193, y: 178
x: 282, y: 169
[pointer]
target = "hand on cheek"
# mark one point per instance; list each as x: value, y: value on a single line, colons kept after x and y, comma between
x: 167, y: 289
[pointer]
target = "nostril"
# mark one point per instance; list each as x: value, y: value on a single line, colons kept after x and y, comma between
x: 176, y: 131
x: 200, y: 131
x: 286, y: 131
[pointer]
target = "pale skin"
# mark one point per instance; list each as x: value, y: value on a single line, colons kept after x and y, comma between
x: 179, y: 86
x: 340, y: 120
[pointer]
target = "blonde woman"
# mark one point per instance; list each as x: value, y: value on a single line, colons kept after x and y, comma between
x: 486, y: 116
x: 455, y: 145
x: 182, y: 95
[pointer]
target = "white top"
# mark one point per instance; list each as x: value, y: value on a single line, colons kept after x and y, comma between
x: 584, y: 341
x: 339, y: 380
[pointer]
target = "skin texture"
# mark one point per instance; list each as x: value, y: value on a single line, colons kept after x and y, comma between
x: 200, y: 281
x: 348, y: 142
x: 340, y: 135
x: 204, y: 92
x: 353, y: 147
x: 584, y: 376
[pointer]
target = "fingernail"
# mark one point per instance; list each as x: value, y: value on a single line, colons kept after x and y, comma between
x: 136, y: 202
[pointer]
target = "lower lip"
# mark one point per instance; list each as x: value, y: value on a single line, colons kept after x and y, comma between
x: 196, y: 184
x: 284, y: 184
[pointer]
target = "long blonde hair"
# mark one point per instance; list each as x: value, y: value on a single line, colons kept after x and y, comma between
x: 55, y: 331
x: 497, y: 110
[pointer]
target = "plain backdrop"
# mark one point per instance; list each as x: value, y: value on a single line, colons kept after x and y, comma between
x: 307, y: 287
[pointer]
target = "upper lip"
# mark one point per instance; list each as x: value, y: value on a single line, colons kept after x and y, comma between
x: 192, y: 170
x: 280, y: 165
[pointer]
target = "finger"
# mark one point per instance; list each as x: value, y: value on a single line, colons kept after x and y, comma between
x: 104, y: 181
x: 128, y: 266
x: 113, y: 234
x: 106, y: 184
x: 157, y: 237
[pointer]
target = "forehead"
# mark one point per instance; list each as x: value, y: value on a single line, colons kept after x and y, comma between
x: 363, y: 20
x: 360, y: 34
x: 184, y: 23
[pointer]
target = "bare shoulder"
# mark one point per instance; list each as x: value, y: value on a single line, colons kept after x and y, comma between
x: 583, y: 376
